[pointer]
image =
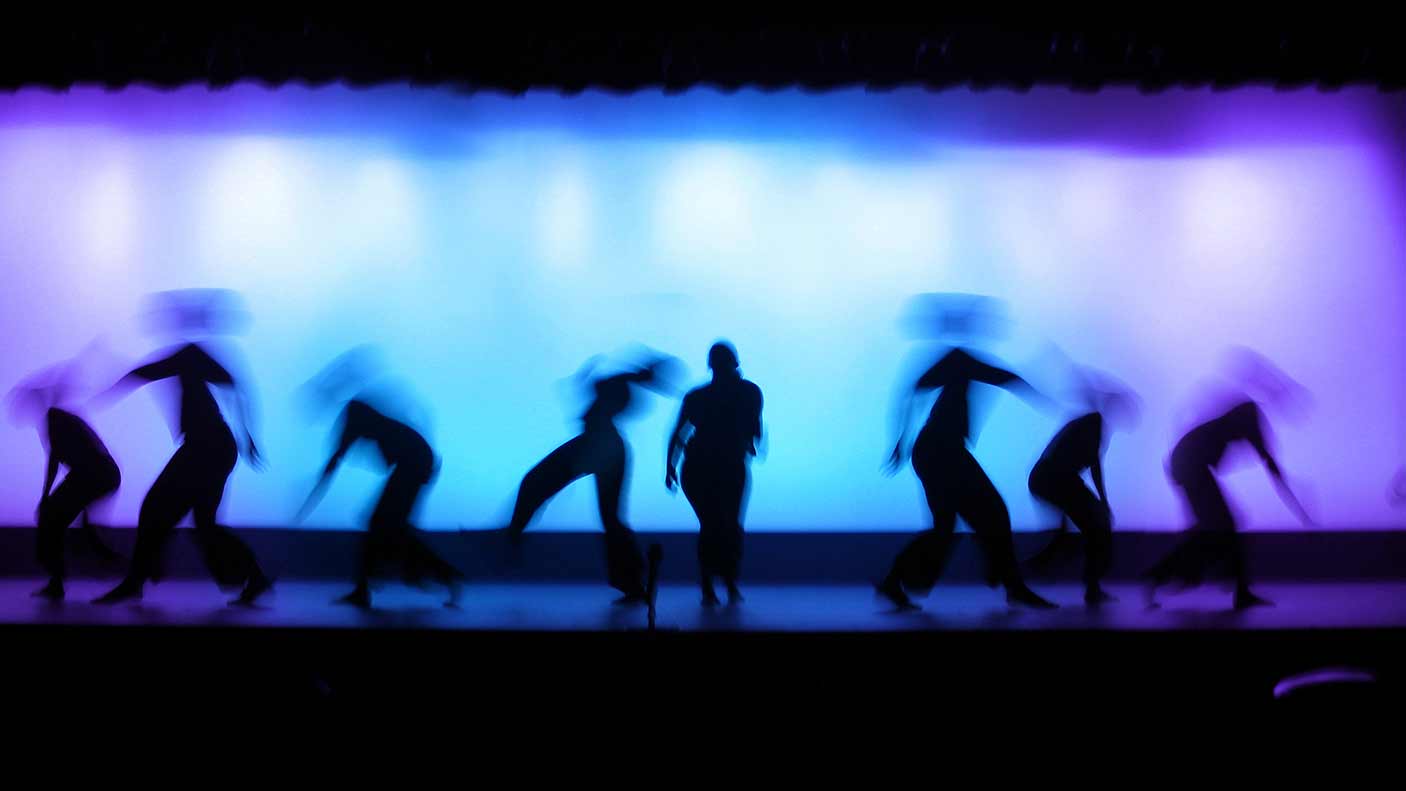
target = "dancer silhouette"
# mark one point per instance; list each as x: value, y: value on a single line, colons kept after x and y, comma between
x: 193, y: 481
x: 954, y: 482
x: 1057, y: 481
x: 390, y: 534
x: 1213, y: 536
x: 599, y: 451
x: 92, y: 477
x: 716, y: 432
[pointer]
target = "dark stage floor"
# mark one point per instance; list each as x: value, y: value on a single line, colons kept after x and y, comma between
x: 768, y: 608
x: 808, y: 655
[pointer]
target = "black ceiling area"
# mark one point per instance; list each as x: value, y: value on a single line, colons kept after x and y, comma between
x: 517, y: 58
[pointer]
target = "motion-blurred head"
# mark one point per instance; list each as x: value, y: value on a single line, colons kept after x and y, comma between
x: 662, y: 373
x: 363, y: 374
x: 1100, y: 392
x: 955, y: 318
x: 29, y: 401
x: 340, y: 380
x: 1265, y: 383
x: 59, y: 385
x: 195, y: 313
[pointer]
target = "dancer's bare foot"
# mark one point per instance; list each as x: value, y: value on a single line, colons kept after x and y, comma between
x: 257, y: 586
x: 1095, y: 595
x: 892, y: 590
x: 127, y: 590
x: 1244, y: 600
x: 734, y: 595
x: 359, y: 598
x: 53, y: 591
x: 1022, y: 595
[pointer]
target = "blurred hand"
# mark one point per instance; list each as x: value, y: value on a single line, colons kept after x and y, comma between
x: 1397, y: 495
x: 306, y: 508
x: 251, y: 452
x: 895, y: 461
x: 671, y: 479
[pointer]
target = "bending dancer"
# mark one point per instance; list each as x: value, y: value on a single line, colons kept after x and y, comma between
x: 193, y: 481
x: 954, y: 483
x: 1213, y: 536
x: 413, y: 466
x: 92, y: 478
x: 1056, y: 480
x: 716, y: 432
x: 599, y: 451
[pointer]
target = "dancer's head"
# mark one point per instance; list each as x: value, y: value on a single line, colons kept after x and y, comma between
x: 1265, y: 383
x: 665, y: 373
x: 955, y: 318
x: 1121, y: 410
x: 32, y: 398
x: 658, y: 371
x: 1120, y: 407
x: 722, y: 359
x: 192, y: 313
x: 340, y: 380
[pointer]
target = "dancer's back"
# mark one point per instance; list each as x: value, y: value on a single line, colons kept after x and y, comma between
x: 1204, y: 446
x: 1076, y: 446
x: 725, y: 415
x: 950, y: 419
x: 73, y: 443
x: 400, y: 445
x: 194, y: 370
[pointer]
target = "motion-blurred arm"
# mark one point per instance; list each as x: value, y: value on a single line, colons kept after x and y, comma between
x: 243, y: 399
x: 1010, y: 382
x: 903, y: 417
x: 164, y: 368
x: 50, y: 473
x: 677, y: 437
x: 1261, y: 444
x: 1096, y: 472
x: 344, y: 443
x: 757, y: 423
x: 1286, y: 494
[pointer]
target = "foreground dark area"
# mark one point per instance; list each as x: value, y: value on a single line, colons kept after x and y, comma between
x: 803, y: 655
x: 605, y: 676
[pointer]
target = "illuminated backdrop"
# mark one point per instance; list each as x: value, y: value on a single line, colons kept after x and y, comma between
x: 491, y: 244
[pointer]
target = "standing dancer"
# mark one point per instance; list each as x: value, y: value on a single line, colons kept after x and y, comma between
x: 716, y: 432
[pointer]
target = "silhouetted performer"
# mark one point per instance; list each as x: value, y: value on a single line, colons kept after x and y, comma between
x: 954, y: 483
x: 390, y: 533
x: 1213, y: 537
x: 92, y: 477
x: 193, y: 481
x: 717, y: 430
x: 599, y: 451
x: 1057, y: 480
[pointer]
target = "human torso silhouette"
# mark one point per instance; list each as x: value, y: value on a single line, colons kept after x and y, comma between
x: 725, y: 415
x: 611, y: 399
x: 949, y: 422
x: 1076, y: 447
x: 73, y: 443
x: 194, y: 371
x: 400, y: 446
x: 1204, y: 446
